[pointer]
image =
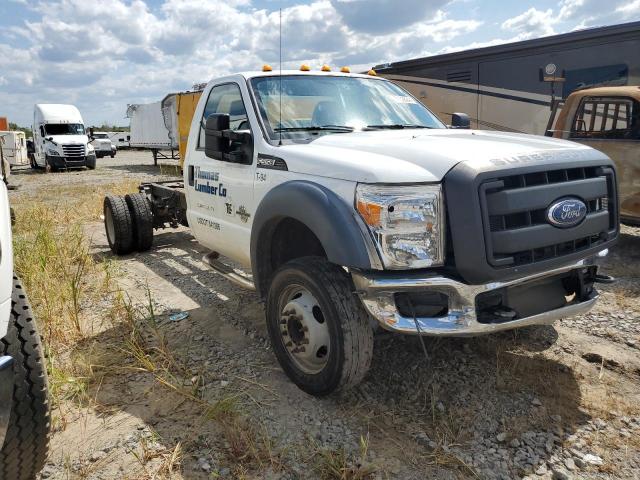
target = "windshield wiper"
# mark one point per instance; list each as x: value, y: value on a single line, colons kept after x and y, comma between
x: 312, y: 128
x: 394, y: 126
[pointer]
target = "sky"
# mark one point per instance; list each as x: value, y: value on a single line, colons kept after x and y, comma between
x: 103, y: 55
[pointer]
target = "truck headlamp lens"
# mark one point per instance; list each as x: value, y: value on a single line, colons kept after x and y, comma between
x: 406, y: 222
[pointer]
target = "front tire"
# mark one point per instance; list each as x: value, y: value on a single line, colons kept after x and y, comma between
x: 27, y: 440
x: 319, y: 331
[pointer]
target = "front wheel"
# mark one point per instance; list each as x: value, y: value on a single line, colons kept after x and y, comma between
x: 26, y: 443
x: 319, y: 331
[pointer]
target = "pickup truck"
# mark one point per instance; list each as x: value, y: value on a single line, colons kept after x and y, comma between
x: 355, y: 208
x: 24, y: 406
x: 608, y: 119
x: 102, y: 144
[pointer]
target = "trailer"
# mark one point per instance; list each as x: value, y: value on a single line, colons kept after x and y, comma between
x: 14, y: 145
x: 149, y: 131
x: 120, y: 139
x: 511, y: 87
x: 178, y: 109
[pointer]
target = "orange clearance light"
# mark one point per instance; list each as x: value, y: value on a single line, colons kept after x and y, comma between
x: 345, y: 70
x: 372, y: 72
x: 370, y: 212
x: 305, y: 68
x: 326, y: 68
x: 267, y: 68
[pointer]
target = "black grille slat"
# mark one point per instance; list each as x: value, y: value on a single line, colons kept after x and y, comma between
x: 515, y: 211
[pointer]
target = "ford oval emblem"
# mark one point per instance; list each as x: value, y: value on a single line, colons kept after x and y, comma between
x: 566, y: 212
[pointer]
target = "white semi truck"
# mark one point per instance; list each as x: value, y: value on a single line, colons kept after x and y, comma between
x: 356, y: 209
x: 59, y: 138
x: 24, y: 406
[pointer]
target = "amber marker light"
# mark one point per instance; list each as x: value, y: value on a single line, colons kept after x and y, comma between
x: 305, y: 68
x: 345, y: 70
x: 326, y: 68
x: 370, y: 212
x: 267, y: 68
x: 372, y: 72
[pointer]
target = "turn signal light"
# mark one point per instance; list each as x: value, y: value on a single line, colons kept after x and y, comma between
x: 305, y: 68
x: 370, y: 212
x: 267, y: 68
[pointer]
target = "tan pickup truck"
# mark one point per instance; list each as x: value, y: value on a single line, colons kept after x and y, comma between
x: 607, y: 119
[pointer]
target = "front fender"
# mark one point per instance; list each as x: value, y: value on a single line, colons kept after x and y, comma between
x: 335, y: 223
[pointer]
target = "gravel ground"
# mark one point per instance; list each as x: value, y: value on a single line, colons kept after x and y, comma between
x: 548, y: 402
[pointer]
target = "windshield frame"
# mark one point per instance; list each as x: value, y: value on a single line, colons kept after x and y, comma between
x: 277, y: 140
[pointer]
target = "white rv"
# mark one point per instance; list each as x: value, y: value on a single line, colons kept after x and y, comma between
x: 14, y: 147
x: 60, y: 139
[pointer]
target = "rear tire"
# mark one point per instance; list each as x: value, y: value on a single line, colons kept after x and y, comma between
x: 347, y: 334
x: 26, y: 443
x: 142, y: 220
x: 118, y: 225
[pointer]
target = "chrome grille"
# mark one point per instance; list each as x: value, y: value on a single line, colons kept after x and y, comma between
x: 73, y: 150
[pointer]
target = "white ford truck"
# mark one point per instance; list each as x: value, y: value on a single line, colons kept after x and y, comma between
x: 24, y: 407
x: 355, y: 208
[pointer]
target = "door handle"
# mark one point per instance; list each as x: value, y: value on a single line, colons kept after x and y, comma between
x: 191, y: 175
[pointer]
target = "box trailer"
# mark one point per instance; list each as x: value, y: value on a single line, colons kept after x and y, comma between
x: 14, y: 145
x: 512, y: 87
x: 148, y: 130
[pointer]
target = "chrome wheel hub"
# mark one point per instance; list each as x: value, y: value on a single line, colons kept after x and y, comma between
x: 304, y: 330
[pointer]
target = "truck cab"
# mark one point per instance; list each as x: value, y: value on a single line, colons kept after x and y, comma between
x: 60, y: 139
x: 356, y: 209
x: 607, y: 119
x: 102, y: 144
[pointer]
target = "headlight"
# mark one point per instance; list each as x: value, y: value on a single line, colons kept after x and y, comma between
x: 53, y: 153
x: 406, y: 222
x: 90, y: 148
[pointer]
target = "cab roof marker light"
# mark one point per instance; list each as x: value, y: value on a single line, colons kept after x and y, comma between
x: 305, y: 68
x: 345, y: 70
x: 372, y: 72
x: 267, y: 68
x: 326, y: 68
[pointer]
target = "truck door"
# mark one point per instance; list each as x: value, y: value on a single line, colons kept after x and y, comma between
x: 612, y: 125
x: 220, y: 193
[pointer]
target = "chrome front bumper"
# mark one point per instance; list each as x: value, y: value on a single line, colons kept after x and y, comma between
x: 6, y: 394
x: 377, y: 292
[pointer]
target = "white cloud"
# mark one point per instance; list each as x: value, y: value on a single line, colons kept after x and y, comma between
x: 532, y: 23
x: 630, y: 9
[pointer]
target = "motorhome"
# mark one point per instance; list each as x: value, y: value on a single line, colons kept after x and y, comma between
x: 14, y: 146
x: 120, y: 139
x: 512, y: 87
x: 60, y: 139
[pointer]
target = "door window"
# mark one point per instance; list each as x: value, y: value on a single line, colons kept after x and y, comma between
x: 225, y: 99
x: 606, y: 118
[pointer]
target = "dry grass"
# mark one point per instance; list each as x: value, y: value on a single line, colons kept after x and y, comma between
x: 337, y: 464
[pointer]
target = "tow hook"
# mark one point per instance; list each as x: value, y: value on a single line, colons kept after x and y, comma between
x: 600, y: 278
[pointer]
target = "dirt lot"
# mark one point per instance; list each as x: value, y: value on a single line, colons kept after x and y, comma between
x: 138, y: 395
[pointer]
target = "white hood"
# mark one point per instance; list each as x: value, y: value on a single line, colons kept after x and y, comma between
x: 402, y: 156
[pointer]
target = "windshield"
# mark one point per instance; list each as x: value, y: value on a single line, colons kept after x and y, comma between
x: 330, y: 104
x: 100, y: 135
x: 64, y: 129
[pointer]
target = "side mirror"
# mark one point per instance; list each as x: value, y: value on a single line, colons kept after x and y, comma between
x: 215, y: 145
x: 221, y: 143
x: 460, y: 120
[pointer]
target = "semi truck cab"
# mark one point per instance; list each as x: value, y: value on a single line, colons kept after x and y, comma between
x: 60, y: 139
x: 356, y: 209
